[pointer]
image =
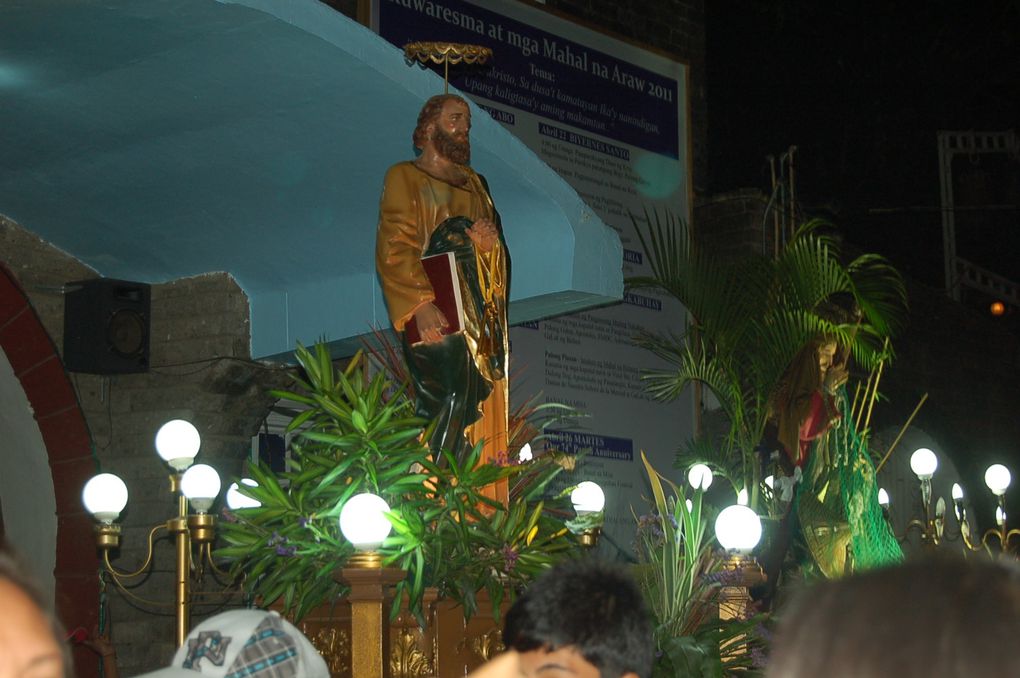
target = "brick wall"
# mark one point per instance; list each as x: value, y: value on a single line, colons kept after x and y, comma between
x: 200, y: 370
x: 730, y: 224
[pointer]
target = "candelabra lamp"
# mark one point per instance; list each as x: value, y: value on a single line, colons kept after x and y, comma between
x: 997, y: 479
x: 932, y: 525
x: 105, y: 497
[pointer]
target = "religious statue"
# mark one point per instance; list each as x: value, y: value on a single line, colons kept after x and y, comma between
x: 826, y: 474
x: 804, y: 407
x: 432, y: 205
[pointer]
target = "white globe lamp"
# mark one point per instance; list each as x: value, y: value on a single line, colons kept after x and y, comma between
x: 738, y: 529
x: 200, y: 484
x: 700, y: 476
x: 363, y: 521
x: 105, y: 496
x: 923, y: 463
x: 236, y: 500
x: 177, y: 443
x: 997, y: 478
x: 883, y: 497
x: 525, y: 454
x: 587, y: 498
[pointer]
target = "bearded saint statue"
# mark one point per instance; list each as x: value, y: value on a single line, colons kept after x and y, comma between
x: 432, y: 205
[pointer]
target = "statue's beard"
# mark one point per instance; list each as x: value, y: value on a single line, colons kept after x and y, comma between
x: 450, y: 148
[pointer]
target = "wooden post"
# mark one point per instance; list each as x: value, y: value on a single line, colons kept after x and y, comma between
x: 371, y: 593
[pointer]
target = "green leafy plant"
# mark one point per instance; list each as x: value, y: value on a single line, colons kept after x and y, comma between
x: 359, y: 437
x: 683, y: 577
x: 749, y: 318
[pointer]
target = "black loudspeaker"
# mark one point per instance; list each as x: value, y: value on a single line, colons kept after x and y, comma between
x: 106, y: 326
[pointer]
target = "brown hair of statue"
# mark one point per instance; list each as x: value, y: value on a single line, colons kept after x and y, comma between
x: 429, y: 113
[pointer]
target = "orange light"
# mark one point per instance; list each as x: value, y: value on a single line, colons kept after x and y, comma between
x: 997, y: 308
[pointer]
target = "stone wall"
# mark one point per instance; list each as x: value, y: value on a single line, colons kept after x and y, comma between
x: 200, y: 370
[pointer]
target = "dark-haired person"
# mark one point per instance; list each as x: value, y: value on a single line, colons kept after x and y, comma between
x: 930, y: 618
x: 432, y: 205
x: 582, y: 619
x: 31, y: 640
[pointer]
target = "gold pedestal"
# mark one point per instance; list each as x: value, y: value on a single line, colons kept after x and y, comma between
x: 371, y: 593
x: 735, y: 599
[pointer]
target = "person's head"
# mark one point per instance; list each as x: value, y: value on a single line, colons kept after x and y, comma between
x: 932, y: 618
x: 444, y: 123
x: 31, y: 640
x: 583, y: 619
x: 245, y: 643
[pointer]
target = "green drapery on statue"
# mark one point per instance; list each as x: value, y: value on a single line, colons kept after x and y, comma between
x: 452, y: 379
x: 837, y: 503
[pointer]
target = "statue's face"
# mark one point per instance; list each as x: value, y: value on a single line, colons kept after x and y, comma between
x: 450, y: 132
x: 826, y: 354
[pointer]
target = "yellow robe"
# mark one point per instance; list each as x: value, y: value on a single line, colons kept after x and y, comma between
x: 412, y: 206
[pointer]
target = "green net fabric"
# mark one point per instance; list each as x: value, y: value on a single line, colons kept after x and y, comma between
x: 837, y: 503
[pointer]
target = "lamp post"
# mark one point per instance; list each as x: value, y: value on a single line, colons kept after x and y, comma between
x: 589, y: 502
x: 105, y: 496
x: 364, y: 524
x: 924, y: 463
x: 738, y: 530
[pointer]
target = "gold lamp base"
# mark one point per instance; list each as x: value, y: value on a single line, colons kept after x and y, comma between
x: 107, y: 536
x: 590, y: 537
x: 365, y: 560
x: 203, y: 527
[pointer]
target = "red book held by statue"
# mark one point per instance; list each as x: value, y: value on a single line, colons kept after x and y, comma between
x: 441, y: 270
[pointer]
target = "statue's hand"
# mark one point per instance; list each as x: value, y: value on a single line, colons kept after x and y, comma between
x: 483, y: 234
x: 835, y: 377
x: 431, y: 323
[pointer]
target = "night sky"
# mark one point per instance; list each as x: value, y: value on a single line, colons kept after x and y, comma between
x: 861, y: 90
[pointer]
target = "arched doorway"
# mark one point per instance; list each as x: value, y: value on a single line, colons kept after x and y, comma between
x: 47, y: 458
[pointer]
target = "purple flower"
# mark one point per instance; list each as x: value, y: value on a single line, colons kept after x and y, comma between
x: 510, y: 557
x: 723, y: 578
x: 763, y: 632
x: 302, y: 521
x: 649, y: 525
x: 286, y: 551
x: 503, y: 458
x: 275, y: 539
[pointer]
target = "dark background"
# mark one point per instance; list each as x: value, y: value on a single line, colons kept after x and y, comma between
x: 862, y: 89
